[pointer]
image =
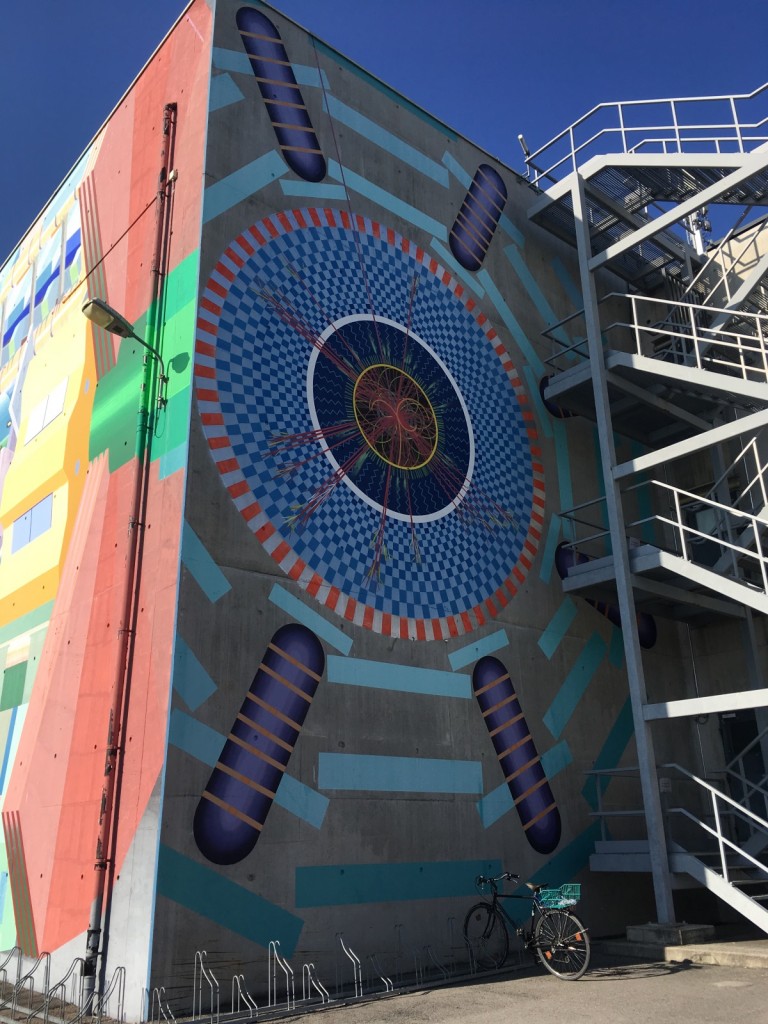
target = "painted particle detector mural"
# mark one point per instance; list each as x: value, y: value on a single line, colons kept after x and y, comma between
x: 344, y: 376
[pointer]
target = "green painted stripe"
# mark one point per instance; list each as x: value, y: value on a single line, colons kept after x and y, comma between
x: 575, y: 685
x: 207, y: 893
x: 478, y: 649
x: 545, y: 417
x: 550, y: 547
x: 345, y: 884
x: 511, y: 322
x: 553, y: 635
x: 385, y: 675
x: 610, y: 754
x: 26, y: 623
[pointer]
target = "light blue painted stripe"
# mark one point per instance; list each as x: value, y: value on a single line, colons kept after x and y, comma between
x: 509, y: 319
x: 172, y: 461
x: 3, y: 891
x: 402, y: 101
x: 190, y: 679
x: 462, y: 176
x: 545, y: 418
x: 205, y: 744
x: 231, y: 60
x: 563, y: 460
x: 241, y: 184
x: 206, y: 572
x: 570, y: 287
x: 224, y: 92
x: 301, y: 801
x: 556, y: 759
x: 237, y: 62
x: 552, y: 636
x: 535, y: 293
x: 387, y: 201
x: 344, y: 884
x: 498, y: 802
x: 280, y: 597
x: 8, y: 746
x: 398, y: 774
x: 384, y: 675
x: 550, y: 547
x: 616, y: 648
x: 574, y: 685
x: 195, y: 738
x: 514, y: 232
x: 312, y: 189
x: 611, y: 752
x: 495, y: 805
x: 447, y: 257
x: 392, y: 144
x: 212, y: 896
x: 471, y: 652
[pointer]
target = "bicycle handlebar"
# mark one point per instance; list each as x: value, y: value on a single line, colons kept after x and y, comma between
x: 505, y: 876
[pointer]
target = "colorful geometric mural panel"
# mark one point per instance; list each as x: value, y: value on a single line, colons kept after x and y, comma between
x: 368, y: 424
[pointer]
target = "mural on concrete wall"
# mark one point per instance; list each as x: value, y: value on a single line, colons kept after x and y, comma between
x: 377, y: 680
x: 70, y: 395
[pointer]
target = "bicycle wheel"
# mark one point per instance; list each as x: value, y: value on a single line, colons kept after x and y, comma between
x: 487, y: 936
x: 562, y: 944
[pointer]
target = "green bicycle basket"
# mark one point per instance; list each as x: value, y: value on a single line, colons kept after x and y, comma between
x: 566, y: 896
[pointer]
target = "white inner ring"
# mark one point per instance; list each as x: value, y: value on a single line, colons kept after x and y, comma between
x: 459, y: 497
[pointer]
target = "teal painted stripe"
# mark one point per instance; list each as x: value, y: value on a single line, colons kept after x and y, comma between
x: 568, y: 862
x: 206, y: 572
x: 224, y: 92
x: 535, y: 293
x: 195, y: 738
x: 241, y: 184
x: 498, y: 802
x: 570, y: 287
x: 392, y: 144
x: 550, y: 547
x: 553, y: 635
x: 460, y: 173
x: 26, y: 622
x: 237, y: 62
x: 301, y: 801
x: 190, y: 679
x: 205, y: 744
x: 545, y: 418
x: 575, y: 684
x: 387, y: 201
x: 340, y: 885
x: 610, y: 754
x: 514, y: 232
x: 511, y: 322
x: 471, y: 652
x: 207, y: 893
x: 396, y: 97
x: 292, y: 606
x: 312, y: 189
x: 616, y: 648
x: 398, y: 774
x: 556, y: 759
x: 563, y: 461
x: 172, y: 461
x: 447, y: 257
x: 384, y: 675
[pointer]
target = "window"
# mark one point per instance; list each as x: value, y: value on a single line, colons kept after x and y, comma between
x: 46, y: 411
x: 32, y: 524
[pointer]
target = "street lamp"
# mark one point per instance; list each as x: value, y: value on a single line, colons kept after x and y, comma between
x: 103, y: 315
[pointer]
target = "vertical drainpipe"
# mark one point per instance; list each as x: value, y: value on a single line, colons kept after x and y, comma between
x: 96, y: 938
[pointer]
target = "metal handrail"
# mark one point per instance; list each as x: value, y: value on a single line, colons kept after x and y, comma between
x: 740, y: 133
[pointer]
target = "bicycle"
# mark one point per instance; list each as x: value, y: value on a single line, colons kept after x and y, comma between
x: 555, y: 935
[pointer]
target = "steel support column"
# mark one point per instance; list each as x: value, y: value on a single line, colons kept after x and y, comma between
x: 646, y: 760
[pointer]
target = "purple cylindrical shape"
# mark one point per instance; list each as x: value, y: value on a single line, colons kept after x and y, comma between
x: 478, y: 217
x: 281, y: 93
x: 517, y: 754
x: 235, y: 802
x: 566, y: 558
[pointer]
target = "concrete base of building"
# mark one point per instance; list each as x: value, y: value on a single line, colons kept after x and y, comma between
x: 673, y: 934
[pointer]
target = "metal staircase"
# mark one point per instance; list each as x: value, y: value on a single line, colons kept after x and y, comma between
x: 677, y: 360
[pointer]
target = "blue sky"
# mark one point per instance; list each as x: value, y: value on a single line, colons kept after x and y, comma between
x: 489, y: 68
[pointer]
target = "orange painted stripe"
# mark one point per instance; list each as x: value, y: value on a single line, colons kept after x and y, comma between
x: 212, y: 419
x: 453, y: 629
x: 230, y: 252
x: 300, y: 219
x: 205, y: 371
x: 421, y: 632
x: 314, y: 585
x: 297, y: 569
x: 203, y: 325
x: 281, y: 551
x: 228, y: 465
x: 333, y: 598
x: 466, y: 621
x: 205, y: 348
x: 437, y: 629
x: 368, y: 618
x: 216, y: 287
x: 238, y: 488
x: 250, y: 511
x: 403, y: 628
x: 284, y: 221
x: 265, y: 532
x: 207, y: 394
x: 270, y: 227
x: 212, y: 307
x: 218, y: 442
x: 349, y: 611
x: 232, y: 810
x: 386, y: 622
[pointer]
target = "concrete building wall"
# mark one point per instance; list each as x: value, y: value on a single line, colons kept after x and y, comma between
x: 379, y: 689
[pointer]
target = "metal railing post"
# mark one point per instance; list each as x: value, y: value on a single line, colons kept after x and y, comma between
x: 719, y: 831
